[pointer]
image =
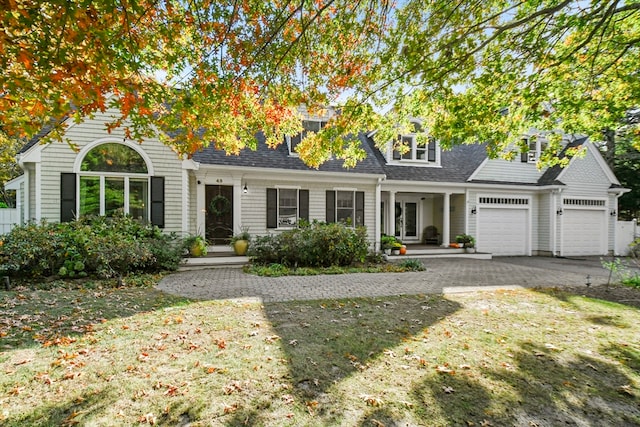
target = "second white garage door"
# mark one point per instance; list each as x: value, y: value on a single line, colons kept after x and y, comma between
x: 584, y: 232
x: 503, y: 231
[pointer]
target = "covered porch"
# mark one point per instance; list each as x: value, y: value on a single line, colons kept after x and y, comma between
x: 432, y: 218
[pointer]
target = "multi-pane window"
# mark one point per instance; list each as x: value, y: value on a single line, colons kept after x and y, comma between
x: 345, y: 206
x: 114, y: 177
x: 287, y: 207
x: 417, y: 149
x: 308, y: 126
x: 532, y: 149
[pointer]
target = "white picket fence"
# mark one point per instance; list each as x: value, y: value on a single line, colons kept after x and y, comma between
x: 626, y: 232
x: 8, y: 218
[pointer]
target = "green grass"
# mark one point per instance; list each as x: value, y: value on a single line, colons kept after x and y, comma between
x: 137, y: 356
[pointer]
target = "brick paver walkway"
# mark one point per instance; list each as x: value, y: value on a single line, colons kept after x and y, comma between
x: 441, y: 275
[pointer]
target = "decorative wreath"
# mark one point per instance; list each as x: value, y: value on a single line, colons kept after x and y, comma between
x: 219, y: 205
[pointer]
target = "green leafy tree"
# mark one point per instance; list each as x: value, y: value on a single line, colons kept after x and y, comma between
x: 216, y: 72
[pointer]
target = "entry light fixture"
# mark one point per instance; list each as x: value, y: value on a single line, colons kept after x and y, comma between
x: 245, y: 190
x: 613, y: 212
x: 559, y: 212
x: 474, y: 210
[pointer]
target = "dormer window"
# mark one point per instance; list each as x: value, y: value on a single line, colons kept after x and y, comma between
x: 536, y: 147
x: 314, y: 126
x: 419, y: 150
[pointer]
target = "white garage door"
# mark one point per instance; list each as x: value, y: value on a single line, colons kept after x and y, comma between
x: 584, y: 232
x: 503, y: 231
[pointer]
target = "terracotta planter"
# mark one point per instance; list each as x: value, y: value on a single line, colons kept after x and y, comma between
x: 240, y: 247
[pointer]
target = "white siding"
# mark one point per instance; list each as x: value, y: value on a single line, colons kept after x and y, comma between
x: 457, y: 219
x: 58, y: 157
x: 585, y: 178
x: 543, y: 219
x: 254, y: 203
x: 508, y: 171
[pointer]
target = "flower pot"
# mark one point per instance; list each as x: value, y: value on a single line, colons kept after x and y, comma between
x: 196, y: 250
x: 387, y: 251
x: 403, y: 250
x: 240, y: 247
x: 470, y: 250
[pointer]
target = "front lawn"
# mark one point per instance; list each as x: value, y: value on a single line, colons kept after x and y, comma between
x: 140, y: 357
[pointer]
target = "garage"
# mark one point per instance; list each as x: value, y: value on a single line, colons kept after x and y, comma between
x: 503, y: 231
x: 584, y: 232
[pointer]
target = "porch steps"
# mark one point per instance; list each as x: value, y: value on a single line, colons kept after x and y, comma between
x: 223, y: 256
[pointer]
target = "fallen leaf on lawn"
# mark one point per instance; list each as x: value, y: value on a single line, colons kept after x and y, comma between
x: 148, y: 418
x: 293, y: 342
x: 272, y: 338
x: 447, y: 389
x: 485, y: 423
x: 443, y: 369
x: 230, y: 409
x: 389, y: 353
x: 552, y: 347
x: 626, y: 389
x: 221, y: 344
x: 372, y: 400
x: 23, y: 362
x: 288, y: 399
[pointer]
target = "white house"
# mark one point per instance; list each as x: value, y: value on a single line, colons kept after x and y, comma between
x: 510, y: 207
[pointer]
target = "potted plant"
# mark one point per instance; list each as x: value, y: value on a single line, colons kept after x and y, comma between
x: 466, y: 241
x: 196, y: 245
x: 240, y: 242
x: 395, y: 247
x: 386, y: 243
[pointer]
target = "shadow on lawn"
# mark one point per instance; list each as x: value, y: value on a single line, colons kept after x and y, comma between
x: 327, y: 341
x: 33, y: 317
x: 549, y: 391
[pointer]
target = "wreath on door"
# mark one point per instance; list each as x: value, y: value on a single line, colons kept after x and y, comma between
x: 219, y: 205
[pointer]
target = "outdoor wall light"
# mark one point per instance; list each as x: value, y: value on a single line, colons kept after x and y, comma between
x: 473, y: 211
x: 559, y: 212
x: 245, y: 190
x: 613, y: 212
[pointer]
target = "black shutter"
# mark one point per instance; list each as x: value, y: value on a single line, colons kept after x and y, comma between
x: 359, y: 220
x: 67, y: 197
x: 331, y: 206
x: 157, y: 201
x: 524, y: 154
x: 431, y: 148
x: 272, y: 208
x: 303, y: 204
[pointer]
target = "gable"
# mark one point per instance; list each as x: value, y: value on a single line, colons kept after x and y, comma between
x: 587, y: 175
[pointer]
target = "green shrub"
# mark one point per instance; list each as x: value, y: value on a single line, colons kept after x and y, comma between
x: 315, y: 245
x: 106, y: 247
x: 412, y: 265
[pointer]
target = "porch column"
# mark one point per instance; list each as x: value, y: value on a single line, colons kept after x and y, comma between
x: 446, y: 218
x: 237, y: 205
x: 38, y: 185
x: 185, y: 201
x: 200, y: 208
x: 376, y: 228
x: 391, y: 210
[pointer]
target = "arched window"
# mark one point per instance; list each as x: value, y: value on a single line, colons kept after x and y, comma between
x: 114, y: 177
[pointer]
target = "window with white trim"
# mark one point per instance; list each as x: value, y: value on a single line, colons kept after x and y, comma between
x: 311, y: 125
x: 419, y: 149
x: 287, y: 207
x: 346, y: 206
x: 534, y: 149
x: 114, y: 177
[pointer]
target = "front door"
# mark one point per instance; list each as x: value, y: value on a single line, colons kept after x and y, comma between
x: 219, y: 218
x: 407, y: 221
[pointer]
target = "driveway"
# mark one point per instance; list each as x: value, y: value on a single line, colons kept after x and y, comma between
x: 442, y: 275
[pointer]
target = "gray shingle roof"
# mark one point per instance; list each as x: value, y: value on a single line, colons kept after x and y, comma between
x: 457, y: 165
x: 41, y: 134
x: 279, y: 158
x: 550, y: 176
